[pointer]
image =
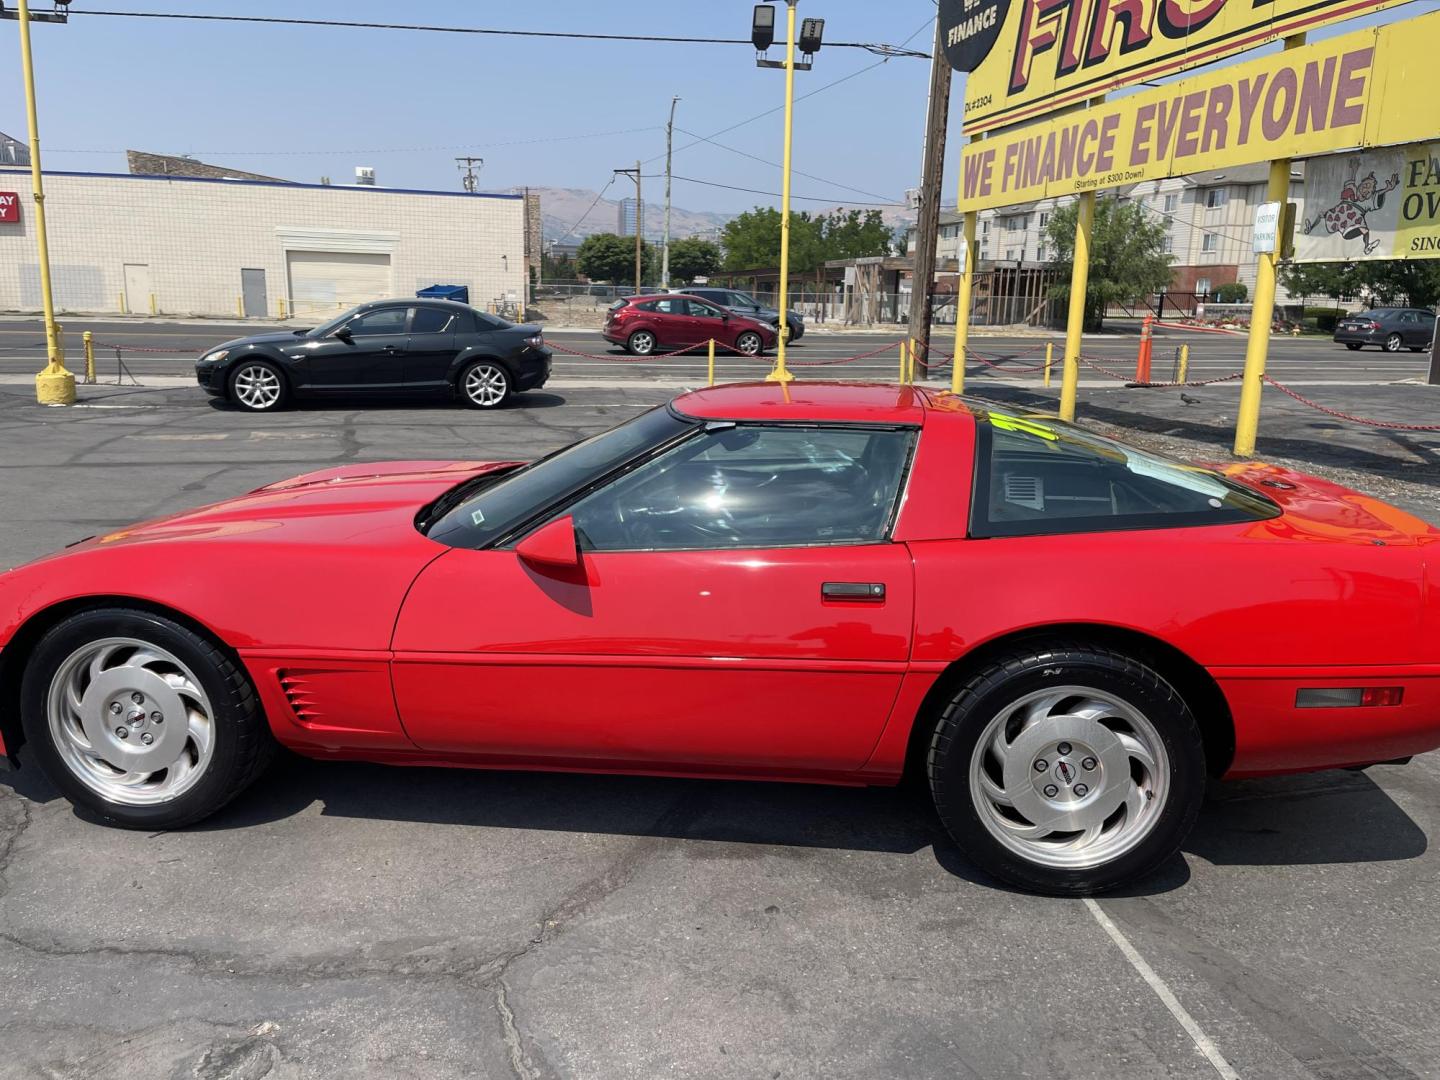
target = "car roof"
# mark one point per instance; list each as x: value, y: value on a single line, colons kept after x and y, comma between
x: 842, y: 402
x: 415, y: 301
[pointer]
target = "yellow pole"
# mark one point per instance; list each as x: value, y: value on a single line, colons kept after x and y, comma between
x: 1247, y: 420
x: 240, y: 306
x: 710, y: 362
x: 902, y: 363
x: 282, y: 308
x: 54, y: 385
x: 89, y: 356
x: 781, y: 372
x: 152, y: 304
x: 1184, y: 362
x: 121, y: 308
x: 962, y: 307
x: 1049, y: 359
x: 1079, y: 279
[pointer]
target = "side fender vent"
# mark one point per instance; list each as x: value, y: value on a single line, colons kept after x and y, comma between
x: 302, y: 701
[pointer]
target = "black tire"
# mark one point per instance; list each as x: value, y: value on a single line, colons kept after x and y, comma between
x: 243, y: 745
x: 1417, y: 348
x: 1394, y: 343
x: 1353, y: 346
x: 749, y: 343
x: 257, y: 373
x: 986, y: 694
x: 485, y: 384
x: 796, y: 331
x: 641, y: 343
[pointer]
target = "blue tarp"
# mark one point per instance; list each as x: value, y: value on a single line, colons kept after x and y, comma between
x: 460, y: 293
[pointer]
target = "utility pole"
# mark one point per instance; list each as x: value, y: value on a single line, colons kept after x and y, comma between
x: 55, y: 385
x: 634, y: 174
x: 665, y: 250
x: 467, y: 165
x: 927, y: 230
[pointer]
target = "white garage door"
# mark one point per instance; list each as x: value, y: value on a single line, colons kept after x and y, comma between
x: 325, y: 282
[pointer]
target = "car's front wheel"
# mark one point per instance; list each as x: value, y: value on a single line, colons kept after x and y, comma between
x: 485, y: 385
x: 750, y: 343
x: 796, y: 331
x: 258, y: 386
x: 1394, y: 343
x: 1067, y: 769
x: 141, y: 720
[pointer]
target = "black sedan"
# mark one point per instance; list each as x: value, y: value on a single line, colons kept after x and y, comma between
x: 1392, y: 329
x: 388, y: 347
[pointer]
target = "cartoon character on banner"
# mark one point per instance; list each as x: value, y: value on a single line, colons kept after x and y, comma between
x: 1357, y: 200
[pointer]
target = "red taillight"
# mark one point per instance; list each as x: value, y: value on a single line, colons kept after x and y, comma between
x: 1374, y: 325
x: 1382, y: 695
x: 1349, y: 697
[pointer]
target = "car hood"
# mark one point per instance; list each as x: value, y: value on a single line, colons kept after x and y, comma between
x: 351, y: 505
x: 282, y: 337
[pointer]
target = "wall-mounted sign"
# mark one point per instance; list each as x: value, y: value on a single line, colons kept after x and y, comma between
x: 1312, y: 100
x: 1028, y: 58
x: 1377, y: 204
x: 9, y: 206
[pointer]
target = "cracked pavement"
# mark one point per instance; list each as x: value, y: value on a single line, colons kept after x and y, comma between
x: 358, y: 920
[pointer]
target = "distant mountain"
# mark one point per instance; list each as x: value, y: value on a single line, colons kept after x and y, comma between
x: 561, y: 208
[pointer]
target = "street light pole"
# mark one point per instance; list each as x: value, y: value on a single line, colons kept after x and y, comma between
x: 54, y: 385
x: 782, y: 374
x: 665, y: 250
x: 634, y: 174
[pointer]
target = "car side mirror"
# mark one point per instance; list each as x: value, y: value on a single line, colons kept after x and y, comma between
x: 552, y: 546
x: 344, y: 334
x: 725, y: 316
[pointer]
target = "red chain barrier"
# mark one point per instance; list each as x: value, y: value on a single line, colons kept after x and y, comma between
x: 141, y: 348
x: 1159, y: 385
x: 622, y: 359
x: 841, y: 360
x: 972, y: 355
x: 1347, y: 416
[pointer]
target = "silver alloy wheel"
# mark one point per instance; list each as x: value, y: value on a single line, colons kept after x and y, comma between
x: 486, y: 385
x: 749, y: 343
x: 257, y: 386
x: 130, y: 721
x: 1070, y: 777
x: 642, y: 343
x: 1393, y: 343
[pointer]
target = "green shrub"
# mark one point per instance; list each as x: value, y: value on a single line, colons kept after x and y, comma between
x: 1324, y: 318
x: 1232, y: 292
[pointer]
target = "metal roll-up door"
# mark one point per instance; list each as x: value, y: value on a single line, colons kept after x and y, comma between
x: 325, y: 282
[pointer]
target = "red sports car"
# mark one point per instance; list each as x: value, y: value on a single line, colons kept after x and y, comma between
x: 645, y: 323
x: 1064, y: 636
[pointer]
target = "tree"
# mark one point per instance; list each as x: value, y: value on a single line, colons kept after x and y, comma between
x: 753, y: 238
x: 692, y: 257
x: 1127, y: 254
x: 607, y: 257
x: 1232, y: 292
x: 1382, y: 281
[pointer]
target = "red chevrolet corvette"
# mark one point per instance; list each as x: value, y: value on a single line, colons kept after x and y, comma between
x: 835, y: 583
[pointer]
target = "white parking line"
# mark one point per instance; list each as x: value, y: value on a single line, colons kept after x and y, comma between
x: 1203, y: 1042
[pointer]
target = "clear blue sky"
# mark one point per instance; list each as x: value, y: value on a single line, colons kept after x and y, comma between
x: 264, y: 98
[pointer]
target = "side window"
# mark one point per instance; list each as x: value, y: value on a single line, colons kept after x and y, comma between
x: 701, y: 310
x: 428, y: 320
x: 1036, y: 477
x: 753, y: 486
x: 384, y: 321
x: 668, y: 307
x: 738, y: 299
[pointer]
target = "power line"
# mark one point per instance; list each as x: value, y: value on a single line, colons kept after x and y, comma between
x: 777, y: 165
x: 587, y: 213
x: 776, y: 194
x: 887, y: 50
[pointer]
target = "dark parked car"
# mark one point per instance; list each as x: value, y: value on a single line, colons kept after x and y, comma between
x: 1392, y: 329
x: 673, y: 320
x: 392, y: 347
x: 742, y: 303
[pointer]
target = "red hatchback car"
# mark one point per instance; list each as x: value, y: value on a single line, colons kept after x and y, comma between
x: 1060, y: 635
x: 643, y: 324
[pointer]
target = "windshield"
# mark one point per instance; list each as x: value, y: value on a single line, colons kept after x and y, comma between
x: 326, y: 329
x: 498, y: 509
x: 1035, y: 476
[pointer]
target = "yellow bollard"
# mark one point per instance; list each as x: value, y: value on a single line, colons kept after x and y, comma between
x: 1049, y: 359
x: 153, y: 309
x: 1184, y: 362
x: 122, y: 308
x: 282, y: 308
x: 89, y: 339
x: 240, y: 306
x: 710, y: 362
x: 902, y: 363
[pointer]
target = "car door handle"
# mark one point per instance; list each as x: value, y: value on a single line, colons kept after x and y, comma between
x: 871, y: 591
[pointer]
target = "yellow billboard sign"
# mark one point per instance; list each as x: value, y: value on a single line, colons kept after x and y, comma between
x: 1373, y: 87
x: 1028, y: 58
x: 1375, y: 204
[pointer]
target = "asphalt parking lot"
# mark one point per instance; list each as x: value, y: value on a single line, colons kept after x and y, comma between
x: 343, y: 920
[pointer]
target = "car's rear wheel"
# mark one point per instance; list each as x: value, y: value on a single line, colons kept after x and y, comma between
x: 750, y: 343
x: 641, y: 343
x: 1067, y: 769
x: 258, y: 386
x: 141, y: 720
x: 796, y: 331
x: 1353, y: 346
x: 1394, y: 343
x: 485, y: 385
